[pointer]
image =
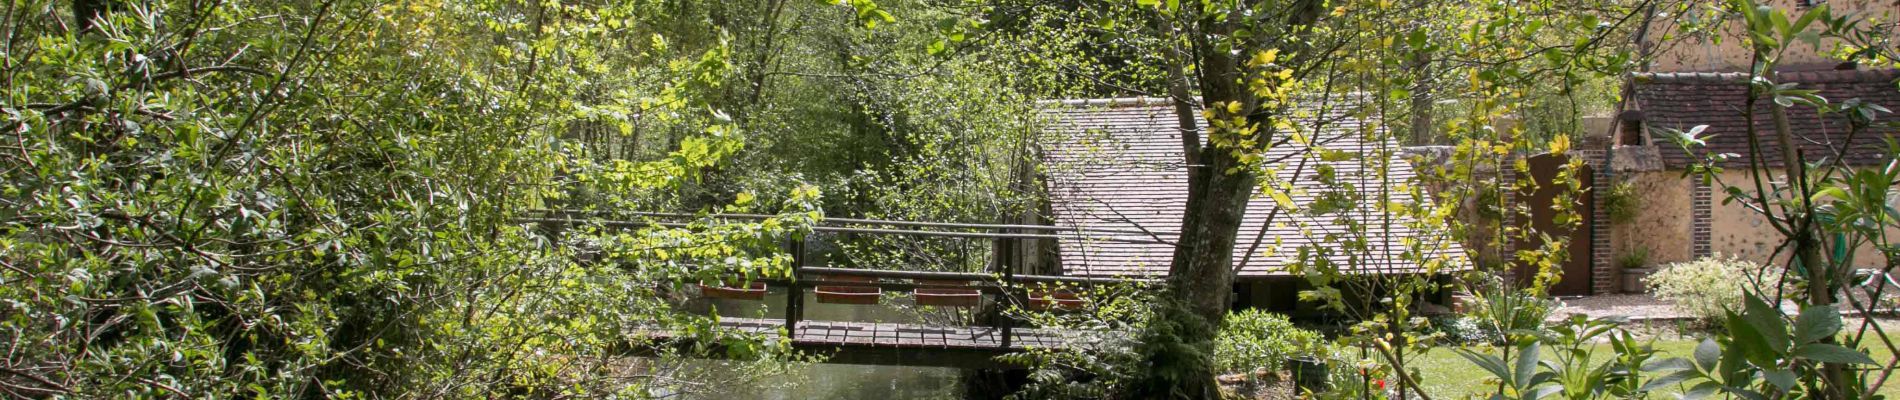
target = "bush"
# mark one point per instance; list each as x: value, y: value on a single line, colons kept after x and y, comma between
x: 1465, y: 329
x: 1255, y: 339
x: 1704, y: 288
x: 1509, y: 311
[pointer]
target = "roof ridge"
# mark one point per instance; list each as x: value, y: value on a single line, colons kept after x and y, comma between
x: 1108, y: 102
x: 1828, y: 76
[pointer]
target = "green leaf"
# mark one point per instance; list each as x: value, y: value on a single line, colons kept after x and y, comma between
x: 1547, y: 390
x: 1669, y: 380
x: 1816, y: 322
x: 1281, y: 198
x: 1526, y: 364
x: 1766, y: 320
x: 1808, y: 17
x: 1748, y: 342
x: 1782, y: 378
x: 1707, y: 354
x: 1829, y: 353
x: 1490, y: 363
x: 1701, y: 390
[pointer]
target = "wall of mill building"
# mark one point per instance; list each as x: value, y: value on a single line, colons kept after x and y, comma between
x: 1695, y: 53
x: 1668, y: 225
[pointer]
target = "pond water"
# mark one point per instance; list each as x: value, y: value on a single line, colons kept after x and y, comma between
x: 835, y: 381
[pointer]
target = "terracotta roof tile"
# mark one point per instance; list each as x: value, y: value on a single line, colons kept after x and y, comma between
x: 1684, y: 100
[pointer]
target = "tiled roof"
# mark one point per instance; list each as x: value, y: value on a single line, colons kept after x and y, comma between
x: 1118, y: 165
x: 1684, y: 100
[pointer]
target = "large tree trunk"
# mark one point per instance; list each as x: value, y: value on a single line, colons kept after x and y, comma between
x: 1179, y: 342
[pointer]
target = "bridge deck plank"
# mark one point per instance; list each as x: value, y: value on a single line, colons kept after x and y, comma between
x: 892, y: 335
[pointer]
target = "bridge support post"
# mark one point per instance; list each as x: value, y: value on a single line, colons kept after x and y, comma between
x: 1005, y: 252
x: 794, y: 292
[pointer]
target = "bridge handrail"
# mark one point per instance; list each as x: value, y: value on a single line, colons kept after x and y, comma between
x: 858, y: 221
x: 997, y: 282
x: 965, y: 276
x: 846, y: 229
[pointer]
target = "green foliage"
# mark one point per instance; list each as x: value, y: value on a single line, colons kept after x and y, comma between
x: 1636, y: 258
x: 1104, y: 360
x: 287, y: 199
x: 1802, y: 203
x: 1622, y: 203
x: 1573, y: 369
x: 1513, y: 313
x: 1259, y: 340
x: 1465, y: 329
x: 1765, y: 356
x: 1707, y: 287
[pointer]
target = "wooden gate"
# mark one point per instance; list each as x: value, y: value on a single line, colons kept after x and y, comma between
x: 1577, y: 274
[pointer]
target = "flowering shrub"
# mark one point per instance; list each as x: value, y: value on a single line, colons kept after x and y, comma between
x: 1707, y: 286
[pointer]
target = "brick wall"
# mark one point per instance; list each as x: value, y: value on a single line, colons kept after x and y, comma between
x: 1602, y: 269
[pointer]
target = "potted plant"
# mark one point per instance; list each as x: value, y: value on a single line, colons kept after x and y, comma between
x: 1636, y: 269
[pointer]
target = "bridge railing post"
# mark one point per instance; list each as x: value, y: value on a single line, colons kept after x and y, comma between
x: 794, y: 291
x: 1004, y: 253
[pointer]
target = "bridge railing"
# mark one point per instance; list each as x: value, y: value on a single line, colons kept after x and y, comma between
x: 1001, y: 284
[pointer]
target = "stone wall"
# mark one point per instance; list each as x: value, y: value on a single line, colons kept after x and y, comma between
x: 1730, y: 53
x: 1667, y: 222
x: 1662, y: 222
x: 1736, y: 230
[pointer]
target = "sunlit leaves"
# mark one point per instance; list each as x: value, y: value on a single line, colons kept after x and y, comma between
x: 359, y: 217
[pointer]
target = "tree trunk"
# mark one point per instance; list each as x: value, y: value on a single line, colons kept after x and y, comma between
x: 1179, y: 341
x: 1421, y: 105
x: 1807, y: 244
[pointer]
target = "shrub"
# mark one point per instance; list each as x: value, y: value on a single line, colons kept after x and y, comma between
x: 1704, y: 288
x: 1486, y: 202
x: 1465, y: 329
x: 1507, y: 311
x: 1634, y: 259
x: 1621, y: 203
x: 1255, y: 339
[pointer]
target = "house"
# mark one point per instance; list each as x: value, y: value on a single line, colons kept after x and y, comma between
x: 1704, y: 82
x: 1117, y: 165
x: 1682, y: 218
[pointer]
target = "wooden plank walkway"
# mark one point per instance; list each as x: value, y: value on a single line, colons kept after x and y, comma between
x: 877, y: 343
x: 878, y: 334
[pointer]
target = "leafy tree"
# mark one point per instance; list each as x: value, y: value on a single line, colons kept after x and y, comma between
x: 327, y: 199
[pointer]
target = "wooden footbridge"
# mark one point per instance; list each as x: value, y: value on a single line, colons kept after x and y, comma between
x: 974, y: 345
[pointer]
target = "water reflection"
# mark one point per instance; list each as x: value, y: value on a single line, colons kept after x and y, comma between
x: 838, y: 381
x: 834, y: 381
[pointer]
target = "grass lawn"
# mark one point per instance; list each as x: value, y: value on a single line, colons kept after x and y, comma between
x: 1449, y: 376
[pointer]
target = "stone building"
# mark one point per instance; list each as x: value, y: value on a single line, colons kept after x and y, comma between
x: 1698, y: 81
